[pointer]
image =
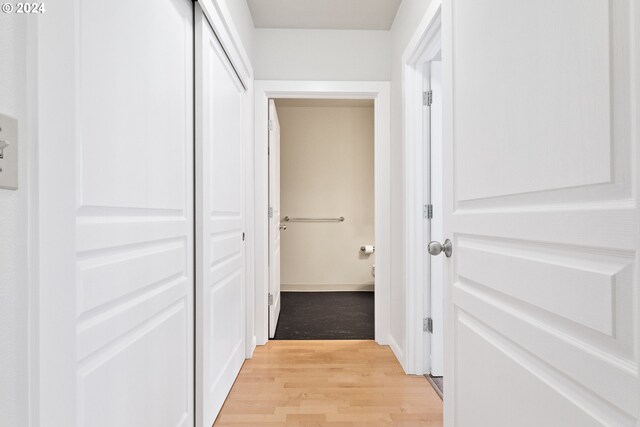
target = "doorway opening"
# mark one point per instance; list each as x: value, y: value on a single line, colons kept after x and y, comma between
x: 322, y: 219
x: 323, y: 91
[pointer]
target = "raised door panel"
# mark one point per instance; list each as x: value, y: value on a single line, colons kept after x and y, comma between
x: 547, y: 81
x: 543, y: 282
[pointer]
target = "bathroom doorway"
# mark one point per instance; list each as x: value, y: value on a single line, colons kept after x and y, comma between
x: 322, y: 218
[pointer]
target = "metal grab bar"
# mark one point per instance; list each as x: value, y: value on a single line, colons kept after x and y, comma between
x: 289, y: 219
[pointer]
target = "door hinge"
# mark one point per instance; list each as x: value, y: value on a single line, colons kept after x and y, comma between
x: 243, y: 237
x: 270, y: 212
x: 427, y: 98
x: 270, y: 299
x: 428, y: 211
x: 270, y: 124
x: 427, y: 324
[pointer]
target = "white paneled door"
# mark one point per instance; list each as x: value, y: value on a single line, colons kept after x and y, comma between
x: 116, y: 214
x: 541, y: 204
x: 274, y: 219
x: 220, y: 293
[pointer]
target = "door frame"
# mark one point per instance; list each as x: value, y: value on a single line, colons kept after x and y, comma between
x: 425, y: 45
x: 380, y: 93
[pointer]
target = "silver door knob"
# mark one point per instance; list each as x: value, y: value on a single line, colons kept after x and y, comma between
x: 283, y: 227
x: 435, y: 248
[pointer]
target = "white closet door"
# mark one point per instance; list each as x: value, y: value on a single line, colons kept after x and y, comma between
x: 116, y: 160
x: 274, y: 219
x: 220, y: 223
x: 541, y: 203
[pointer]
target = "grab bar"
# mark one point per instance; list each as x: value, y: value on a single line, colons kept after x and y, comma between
x: 289, y: 219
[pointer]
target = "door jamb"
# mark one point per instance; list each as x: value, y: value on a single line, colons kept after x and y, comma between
x: 424, y: 46
x: 380, y: 93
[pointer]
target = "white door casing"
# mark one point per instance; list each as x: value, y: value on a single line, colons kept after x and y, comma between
x: 274, y: 218
x: 541, y: 203
x: 220, y: 254
x: 115, y: 214
x: 423, y: 48
x: 379, y: 91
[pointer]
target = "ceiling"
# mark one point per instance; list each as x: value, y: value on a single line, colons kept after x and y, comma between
x: 324, y: 14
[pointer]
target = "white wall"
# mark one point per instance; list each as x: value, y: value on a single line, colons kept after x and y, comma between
x: 14, y: 284
x: 288, y: 54
x: 327, y: 170
x: 409, y: 15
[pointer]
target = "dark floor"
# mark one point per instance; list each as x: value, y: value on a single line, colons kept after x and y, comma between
x: 437, y: 383
x: 326, y: 316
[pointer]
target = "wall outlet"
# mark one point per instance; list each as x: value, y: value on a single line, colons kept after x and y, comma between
x: 8, y: 153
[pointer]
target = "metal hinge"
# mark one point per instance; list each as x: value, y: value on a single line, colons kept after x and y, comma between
x: 270, y: 299
x: 243, y: 237
x: 270, y: 124
x: 428, y: 211
x: 270, y: 212
x: 427, y: 98
x: 427, y: 324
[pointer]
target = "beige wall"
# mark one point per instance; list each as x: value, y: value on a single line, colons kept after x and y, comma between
x: 327, y: 170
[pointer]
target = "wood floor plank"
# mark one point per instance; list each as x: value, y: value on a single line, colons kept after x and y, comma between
x: 328, y: 384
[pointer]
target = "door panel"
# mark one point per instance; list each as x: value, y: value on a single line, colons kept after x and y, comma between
x: 220, y: 220
x: 274, y: 221
x: 134, y: 216
x: 542, y: 288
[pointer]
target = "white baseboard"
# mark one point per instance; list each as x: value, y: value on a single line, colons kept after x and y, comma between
x: 249, y: 355
x: 397, y: 351
x: 367, y: 287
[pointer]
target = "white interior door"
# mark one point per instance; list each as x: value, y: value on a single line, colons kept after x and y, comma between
x: 274, y: 219
x: 541, y: 203
x: 220, y: 306
x: 436, y: 298
x: 116, y: 214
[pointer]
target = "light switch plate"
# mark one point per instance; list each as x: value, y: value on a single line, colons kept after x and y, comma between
x: 9, y: 160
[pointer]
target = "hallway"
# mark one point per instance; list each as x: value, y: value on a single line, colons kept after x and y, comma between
x: 328, y: 383
x: 288, y: 212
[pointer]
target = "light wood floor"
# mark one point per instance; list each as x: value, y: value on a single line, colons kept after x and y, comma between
x: 328, y: 383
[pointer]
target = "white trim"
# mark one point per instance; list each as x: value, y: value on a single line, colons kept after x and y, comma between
x: 423, y: 47
x: 228, y: 35
x: 397, y: 350
x: 349, y: 287
x: 380, y: 93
